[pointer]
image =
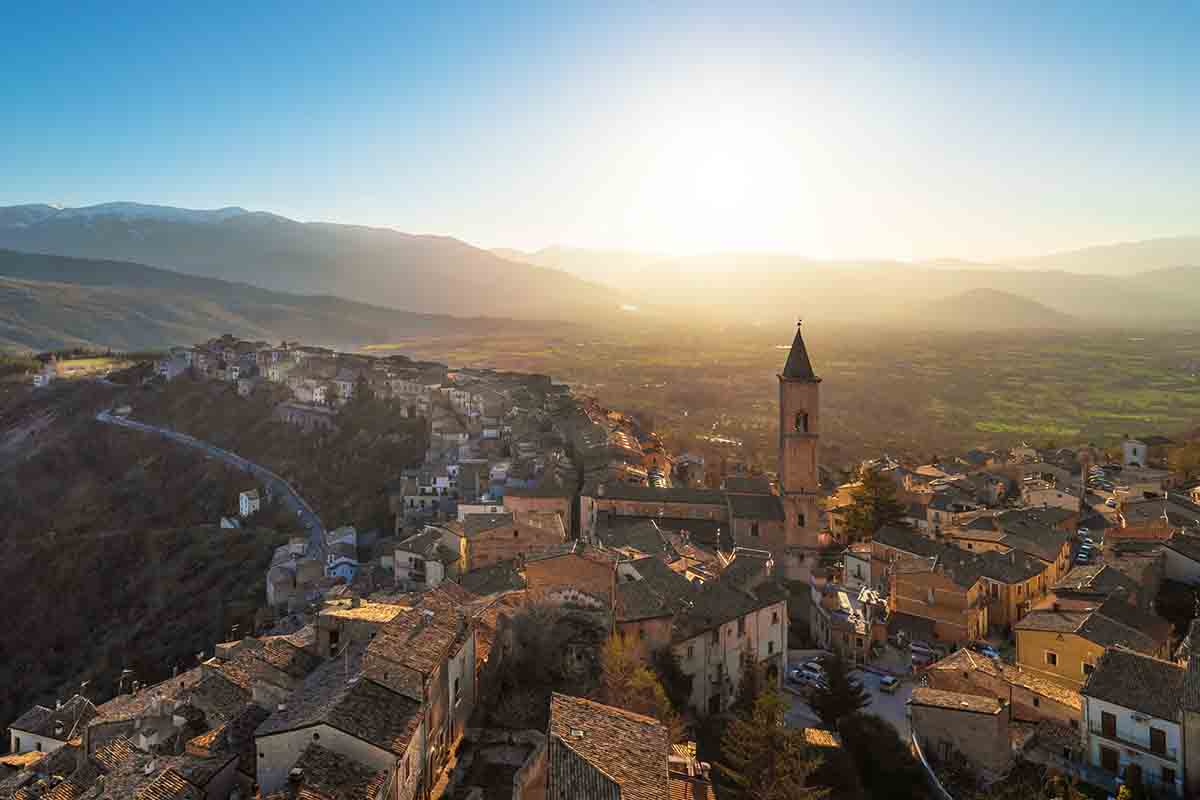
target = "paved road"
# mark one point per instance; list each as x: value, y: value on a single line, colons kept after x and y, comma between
x: 892, y: 707
x: 274, y: 484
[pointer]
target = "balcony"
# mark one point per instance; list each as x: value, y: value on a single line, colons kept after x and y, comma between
x: 1168, y: 754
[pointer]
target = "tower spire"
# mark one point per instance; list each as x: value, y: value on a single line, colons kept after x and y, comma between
x: 799, y: 367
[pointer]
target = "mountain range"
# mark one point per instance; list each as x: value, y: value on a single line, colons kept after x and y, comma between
x: 431, y: 274
x: 52, y: 302
x: 355, y: 281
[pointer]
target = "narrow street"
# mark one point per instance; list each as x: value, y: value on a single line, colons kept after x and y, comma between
x: 274, y: 484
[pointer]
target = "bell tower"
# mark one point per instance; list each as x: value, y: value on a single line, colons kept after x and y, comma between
x: 799, y: 435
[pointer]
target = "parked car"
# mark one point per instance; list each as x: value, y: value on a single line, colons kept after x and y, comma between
x: 985, y: 649
x: 888, y: 684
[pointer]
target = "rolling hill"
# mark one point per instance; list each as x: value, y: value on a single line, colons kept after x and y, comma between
x: 432, y: 274
x: 55, y: 301
x: 1124, y: 259
x: 992, y: 310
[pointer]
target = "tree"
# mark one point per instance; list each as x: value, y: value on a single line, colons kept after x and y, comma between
x: 1186, y: 460
x: 763, y: 759
x: 887, y: 767
x: 628, y: 683
x: 873, y: 505
x: 842, y: 694
x: 751, y: 686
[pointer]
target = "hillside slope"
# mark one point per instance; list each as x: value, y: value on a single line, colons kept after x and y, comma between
x: 992, y: 310
x: 433, y: 274
x: 1125, y: 258
x: 54, y: 301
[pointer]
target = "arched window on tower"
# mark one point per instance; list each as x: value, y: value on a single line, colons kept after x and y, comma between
x: 801, y: 422
x: 800, y: 519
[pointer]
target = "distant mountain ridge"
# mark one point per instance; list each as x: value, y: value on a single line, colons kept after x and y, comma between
x: 49, y: 302
x: 992, y: 310
x: 433, y: 274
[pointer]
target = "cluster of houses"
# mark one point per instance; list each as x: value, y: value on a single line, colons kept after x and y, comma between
x: 529, y: 496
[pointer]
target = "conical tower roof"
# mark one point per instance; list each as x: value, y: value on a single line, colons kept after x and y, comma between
x: 799, y: 367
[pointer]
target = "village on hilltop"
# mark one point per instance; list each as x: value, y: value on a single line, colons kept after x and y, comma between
x: 997, y: 608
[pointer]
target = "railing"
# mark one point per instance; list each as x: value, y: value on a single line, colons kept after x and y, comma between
x: 1167, y: 754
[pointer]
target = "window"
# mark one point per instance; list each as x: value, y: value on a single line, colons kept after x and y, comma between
x: 1108, y: 759
x: 516, y: 533
x: 641, y: 633
x: 770, y: 648
x: 691, y: 651
x: 1158, y: 741
x: 741, y: 626
x: 754, y: 529
x: 858, y: 642
x: 1168, y: 775
x: 801, y: 423
x: 716, y: 636
x: 457, y: 690
x: 1088, y: 669
x: 1037, y: 701
x: 1052, y: 658
x: 37, y: 746
x: 1108, y: 724
x: 316, y: 737
x: 17, y: 744
x: 774, y: 617
x: 800, y: 522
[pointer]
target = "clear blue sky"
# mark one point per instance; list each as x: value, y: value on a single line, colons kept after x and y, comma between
x: 924, y: 130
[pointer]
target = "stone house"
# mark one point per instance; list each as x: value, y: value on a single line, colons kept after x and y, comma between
x: 1031, y: 697
x: 45, y: 730
x: 1133, y: 720
x: 423, y: 560
x: 573, y: 573
x: 723, y: 628
x: 344, y: 711
x: 1064, y: 642
x: 492, y: 538
x: 974, y: 726
x: 599, y: 751
x: 249, y: 502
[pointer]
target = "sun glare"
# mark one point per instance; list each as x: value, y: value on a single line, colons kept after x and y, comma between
x: 722, y: 183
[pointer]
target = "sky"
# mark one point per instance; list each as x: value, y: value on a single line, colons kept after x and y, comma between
x: 836, y: 130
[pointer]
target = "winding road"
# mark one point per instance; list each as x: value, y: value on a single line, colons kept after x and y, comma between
x: 274, y: 484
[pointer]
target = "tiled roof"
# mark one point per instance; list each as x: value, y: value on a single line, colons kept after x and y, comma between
x: 1012, y: 567
x: 475, y: 524
x: 1101, y: 579
x: 964, y: 660
x: 637, y: 532
x: 337, y: 695
x: 288, y: 658
x: 1185, y: 545
x: 331, y: 776
x: 1113, y: 623
x: 956, y: 701
x: 660, y: 592
x: 114, y: 753
x: 649, y: 494
x: 908, y: 541
x: 716, y: 602
x: 366, y: 611
x: 1137, y: 681
x: 683, y: 788
x: 131, y: 706
x: 626, y: 751
x: 169, y: 785
x: 756, y: 506
x: 747, y: 485
x: 501, y: 577
x: 57, y: 723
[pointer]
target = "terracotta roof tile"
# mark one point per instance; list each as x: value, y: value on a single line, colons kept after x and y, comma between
x: 626, y: 750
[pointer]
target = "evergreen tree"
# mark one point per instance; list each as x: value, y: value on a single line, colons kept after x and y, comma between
x: 885, y: 764
x: 873, y: 505
x: 842, y: 695
x: 762, y: 759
